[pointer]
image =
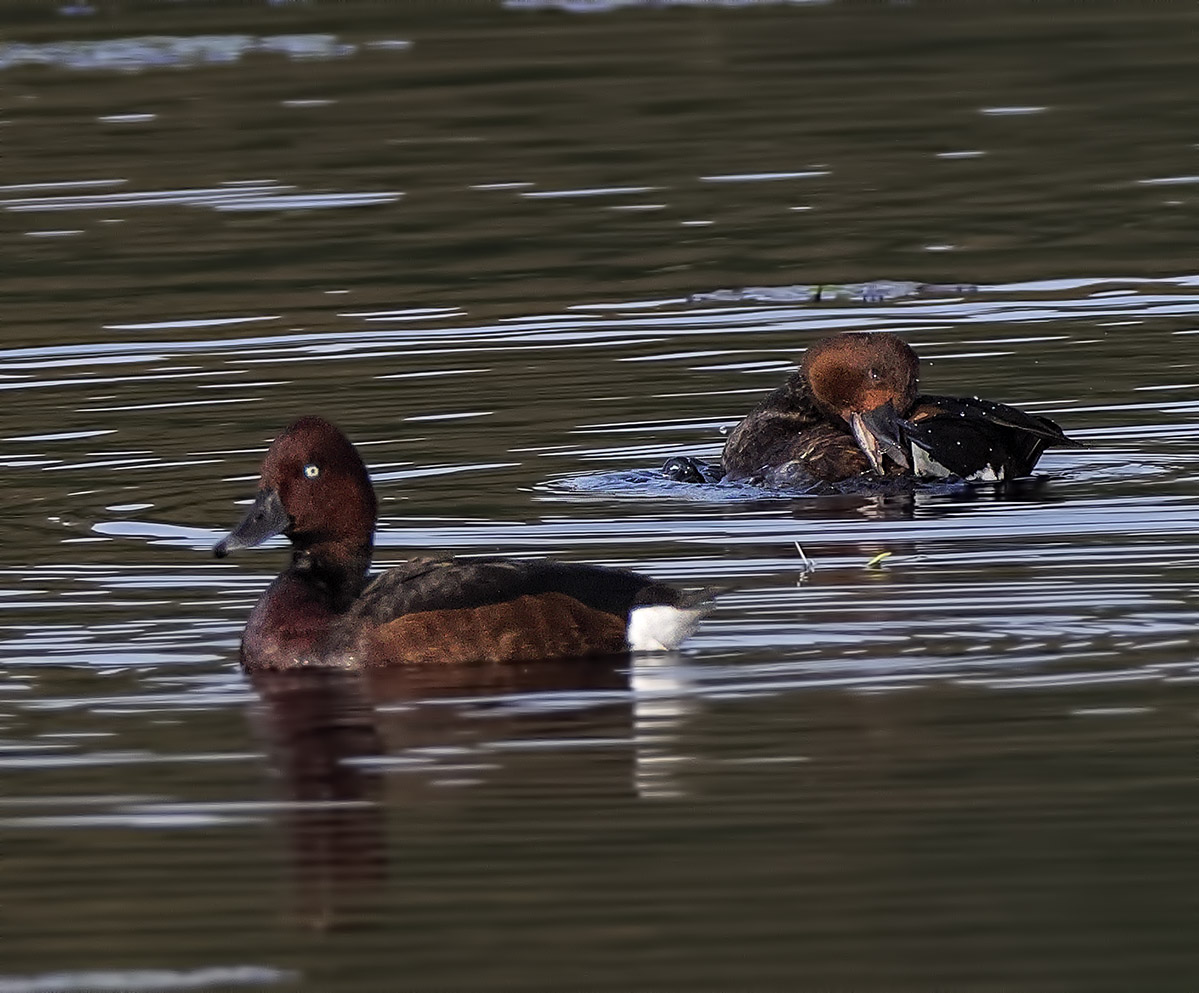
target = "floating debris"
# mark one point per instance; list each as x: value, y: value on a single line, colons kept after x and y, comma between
x: 808, y: 564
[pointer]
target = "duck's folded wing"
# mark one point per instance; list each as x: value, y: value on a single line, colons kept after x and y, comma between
x: 999, y: 414
x: 974, y: 438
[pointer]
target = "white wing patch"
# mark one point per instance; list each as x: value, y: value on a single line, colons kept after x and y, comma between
x: 924, y: 464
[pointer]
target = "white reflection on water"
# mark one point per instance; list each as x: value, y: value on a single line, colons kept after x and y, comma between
x: 265, y: 195
x: 117, y: 758
x: 1169, y: 181
x: 138, y: 980
x: 168, y: 51
x: 74, y: 184
x: 308, y: 201
x: 759, y: 177
x: 598, y: 191
x: 1014, y: 111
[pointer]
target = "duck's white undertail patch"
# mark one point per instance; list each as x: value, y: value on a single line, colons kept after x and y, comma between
x: 660, y: 628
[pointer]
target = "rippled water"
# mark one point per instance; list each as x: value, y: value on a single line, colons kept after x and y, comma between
x: 551, y: 251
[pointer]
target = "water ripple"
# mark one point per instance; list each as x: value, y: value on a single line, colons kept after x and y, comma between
x: 166, y: 51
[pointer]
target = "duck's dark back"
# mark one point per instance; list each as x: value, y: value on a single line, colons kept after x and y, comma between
x: 429, y: 583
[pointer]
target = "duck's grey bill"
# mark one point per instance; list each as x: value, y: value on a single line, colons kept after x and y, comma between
x: 879, y: 432
x: 265, y: 519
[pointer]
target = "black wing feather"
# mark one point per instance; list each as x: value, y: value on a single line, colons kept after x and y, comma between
x: 1002, y: 415
x: 968, y: 434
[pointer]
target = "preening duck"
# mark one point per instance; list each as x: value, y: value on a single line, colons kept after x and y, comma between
x: 853, y: 409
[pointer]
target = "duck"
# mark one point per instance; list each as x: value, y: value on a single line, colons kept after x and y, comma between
x: 324, y: 608
x: 853, y: 411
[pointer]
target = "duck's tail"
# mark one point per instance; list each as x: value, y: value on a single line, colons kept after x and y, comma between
x: 662, y: 627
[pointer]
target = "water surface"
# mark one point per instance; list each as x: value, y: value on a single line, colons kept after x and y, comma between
x: 509, y: 251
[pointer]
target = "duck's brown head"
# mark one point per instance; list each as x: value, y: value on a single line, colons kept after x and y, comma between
x: 315, y: 490
x: 867, y: 381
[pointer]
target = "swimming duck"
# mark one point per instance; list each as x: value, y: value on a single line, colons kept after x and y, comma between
x: 323, y: 609
x: 854, y: 409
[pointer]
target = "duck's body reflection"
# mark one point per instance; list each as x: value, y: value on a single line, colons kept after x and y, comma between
x: 317, y: 721
x: 351, y: 744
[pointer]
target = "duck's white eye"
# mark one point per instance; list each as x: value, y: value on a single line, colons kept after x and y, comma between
x: 312, y: 470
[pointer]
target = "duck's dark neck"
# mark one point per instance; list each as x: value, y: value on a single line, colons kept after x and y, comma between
x: 794, y: 394
x: 799, y: 397
x: 337, y: 575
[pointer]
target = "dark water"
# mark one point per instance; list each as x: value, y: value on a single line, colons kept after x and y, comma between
x: 489, y: 241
